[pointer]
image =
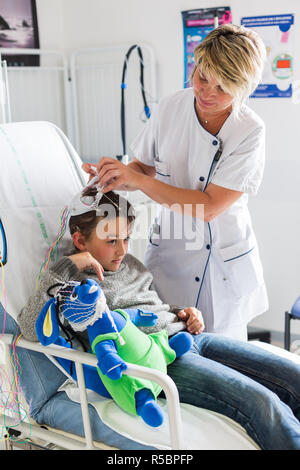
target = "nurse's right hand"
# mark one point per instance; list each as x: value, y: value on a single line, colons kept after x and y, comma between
x: 114, y: 175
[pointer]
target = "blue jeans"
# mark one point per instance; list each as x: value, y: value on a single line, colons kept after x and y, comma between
x: 255, y: 388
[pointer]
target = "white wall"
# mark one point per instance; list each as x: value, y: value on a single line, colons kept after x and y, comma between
x: 72, y: 24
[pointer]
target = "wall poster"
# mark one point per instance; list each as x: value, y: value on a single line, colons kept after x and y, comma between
x: 196, y: 25
x: 277, y: 32
x: 19, y: 29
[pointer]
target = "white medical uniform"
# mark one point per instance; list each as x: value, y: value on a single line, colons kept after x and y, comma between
x: 219, y: 270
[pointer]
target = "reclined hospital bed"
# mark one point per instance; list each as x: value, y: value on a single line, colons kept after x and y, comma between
x: 40, y: 173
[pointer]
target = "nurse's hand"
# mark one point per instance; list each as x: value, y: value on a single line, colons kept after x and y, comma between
x: 193, y: 318
x: 90, y: 168
x: 114, y: 175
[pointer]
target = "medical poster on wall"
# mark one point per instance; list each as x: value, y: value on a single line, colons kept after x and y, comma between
x: 196, y: 26
x: 19, y: 29
x: 277, y: 32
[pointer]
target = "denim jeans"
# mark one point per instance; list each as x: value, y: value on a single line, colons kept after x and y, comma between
x: 257, y: 389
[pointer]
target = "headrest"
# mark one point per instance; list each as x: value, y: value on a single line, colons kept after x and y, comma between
x: 40, y: 174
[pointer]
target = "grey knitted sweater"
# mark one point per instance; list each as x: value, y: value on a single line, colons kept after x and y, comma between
x: 129, y: 287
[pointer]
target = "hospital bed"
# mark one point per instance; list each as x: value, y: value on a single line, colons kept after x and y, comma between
x: 40, y: 172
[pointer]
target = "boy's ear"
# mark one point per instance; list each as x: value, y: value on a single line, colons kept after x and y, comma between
x: 79, y: 241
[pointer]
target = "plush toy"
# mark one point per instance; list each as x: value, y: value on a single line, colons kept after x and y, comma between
x: 115, y: 340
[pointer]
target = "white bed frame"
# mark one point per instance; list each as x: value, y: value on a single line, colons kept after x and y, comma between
x: 68, y: 441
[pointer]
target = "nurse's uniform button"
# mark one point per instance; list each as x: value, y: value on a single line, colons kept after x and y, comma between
x: 201, y: 178
x: 197, y: 279
x: 215, y: 142
x: 208, y: 247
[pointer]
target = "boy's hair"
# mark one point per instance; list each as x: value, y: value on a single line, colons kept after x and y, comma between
x: 112, y: 204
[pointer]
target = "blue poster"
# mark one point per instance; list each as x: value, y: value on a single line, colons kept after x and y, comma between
x: 277, y: 32
x: 196, y: 26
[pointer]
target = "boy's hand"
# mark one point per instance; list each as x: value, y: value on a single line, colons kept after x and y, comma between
x: 85, y: 260
x: 193, y: 318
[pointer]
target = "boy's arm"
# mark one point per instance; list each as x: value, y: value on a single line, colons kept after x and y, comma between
x: 62, y: 271
x: 172, y: 308
x: 175, y: 309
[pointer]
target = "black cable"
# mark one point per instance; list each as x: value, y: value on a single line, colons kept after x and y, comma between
x: 52, y: 287
x: 123, y: 87
x: 4, y: 254
x: 67, y: 329
x: 69, y: 333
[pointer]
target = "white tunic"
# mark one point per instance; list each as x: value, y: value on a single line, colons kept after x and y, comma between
x: 215, y: 265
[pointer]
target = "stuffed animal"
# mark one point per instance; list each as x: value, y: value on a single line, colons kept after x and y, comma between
x: 115, y: 340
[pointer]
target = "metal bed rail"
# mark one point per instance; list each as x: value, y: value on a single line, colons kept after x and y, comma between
x: 49, y: 94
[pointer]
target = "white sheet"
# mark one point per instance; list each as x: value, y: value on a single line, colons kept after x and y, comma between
x: 202, y: 429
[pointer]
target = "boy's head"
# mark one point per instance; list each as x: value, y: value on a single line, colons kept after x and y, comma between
x: 104, y: 232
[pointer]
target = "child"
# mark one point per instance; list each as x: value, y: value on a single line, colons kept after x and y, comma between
x: 256, y: 388
x: 100, y: 253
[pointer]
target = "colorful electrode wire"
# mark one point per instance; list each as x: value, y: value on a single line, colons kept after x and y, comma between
x: 53, y: 252
x: 4, y: 303
x: 10, y: 391
x: 10, y: 404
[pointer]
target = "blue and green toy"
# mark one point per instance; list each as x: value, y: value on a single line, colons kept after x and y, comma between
x: 115, y: 340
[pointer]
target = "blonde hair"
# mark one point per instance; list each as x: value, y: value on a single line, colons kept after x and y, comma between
x: 234, y: 57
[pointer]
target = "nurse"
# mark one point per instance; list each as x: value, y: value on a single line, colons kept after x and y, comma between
x: 199, y: 157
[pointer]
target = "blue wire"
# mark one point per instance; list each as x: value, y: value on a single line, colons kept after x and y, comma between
x: 4, y: 257
x: 147, y: 112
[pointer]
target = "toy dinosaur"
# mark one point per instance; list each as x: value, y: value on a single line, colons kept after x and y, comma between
x: 115, y: 340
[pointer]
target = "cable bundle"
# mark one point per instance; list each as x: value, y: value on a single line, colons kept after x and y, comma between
x: 53, y: 252
x: 10, y: 392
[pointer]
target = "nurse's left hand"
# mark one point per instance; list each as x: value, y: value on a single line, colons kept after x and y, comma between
x: 193, y: 318
x: 114, y: 175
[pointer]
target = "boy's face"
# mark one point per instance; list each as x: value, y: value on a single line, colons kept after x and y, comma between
x: 109, y: 242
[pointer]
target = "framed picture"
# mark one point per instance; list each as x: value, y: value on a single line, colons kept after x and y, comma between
x: 19, y: 29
